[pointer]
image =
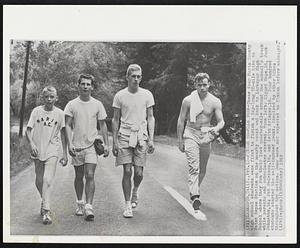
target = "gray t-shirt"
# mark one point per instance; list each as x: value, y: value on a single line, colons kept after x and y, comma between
x: 46, y: 126
x: 133, y: 105
x: 85, y: 116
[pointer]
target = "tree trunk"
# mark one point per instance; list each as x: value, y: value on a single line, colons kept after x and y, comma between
x: 24, y: 89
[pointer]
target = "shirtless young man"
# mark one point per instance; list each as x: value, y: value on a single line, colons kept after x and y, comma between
x: 194, y: 139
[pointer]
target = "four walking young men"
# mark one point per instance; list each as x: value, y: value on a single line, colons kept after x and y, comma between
x: 132, y: 130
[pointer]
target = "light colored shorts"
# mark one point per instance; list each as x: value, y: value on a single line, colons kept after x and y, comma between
x: 130, y: 155
x: 52, y: 161
x: 86, y: 156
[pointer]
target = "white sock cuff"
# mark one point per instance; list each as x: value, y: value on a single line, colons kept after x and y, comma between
x: 89, y: 206
x: 80, y: 202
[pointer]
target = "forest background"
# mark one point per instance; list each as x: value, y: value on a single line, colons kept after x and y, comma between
x: 168, y: 72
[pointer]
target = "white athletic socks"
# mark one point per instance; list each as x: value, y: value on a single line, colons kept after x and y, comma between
x: 80, y: 202
x: 128, y: 203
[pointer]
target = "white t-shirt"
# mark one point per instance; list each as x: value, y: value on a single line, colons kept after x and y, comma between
x: 133, y: 105
x: 46, y: 126
x: 85, y: 116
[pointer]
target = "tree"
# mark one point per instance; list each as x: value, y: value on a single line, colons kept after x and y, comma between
x: 168, y: 72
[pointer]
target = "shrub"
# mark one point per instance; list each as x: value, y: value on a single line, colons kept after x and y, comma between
x: 19, y: 154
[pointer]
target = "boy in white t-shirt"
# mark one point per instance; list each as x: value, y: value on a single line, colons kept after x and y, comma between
x: 133, y: 107
x: 44, y: 127
x: 82, y: 115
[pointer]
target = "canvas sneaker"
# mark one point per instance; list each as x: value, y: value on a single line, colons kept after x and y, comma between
x: 89, y: 213
x: 196, y: 204
x: 47, y: 219
x: 80, y: 208
x: 128, y: 212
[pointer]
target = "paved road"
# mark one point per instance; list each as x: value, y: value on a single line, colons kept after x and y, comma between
x: 162, y: 208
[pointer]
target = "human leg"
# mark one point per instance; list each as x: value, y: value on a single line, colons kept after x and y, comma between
x: 89, y: 172
x: 204, y: 152
x: 139, y: 161
x: 79, y: 185
x: 204, y: 156
x: 126, y: 181
x: 90, y: 161
x: 126, y: 185
x: 193, y: 159
x: 78, y: 181
x: 124, y: 158
x: 192, y: 155
x: 39, y: 174
x: 137, y: 179
x: 49, y: 173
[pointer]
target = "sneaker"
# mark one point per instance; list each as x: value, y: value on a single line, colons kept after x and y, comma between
x: 89, y: 213
x: 134, y: 201
x: 47, y: 217
x: 128, y: 212
x: 196, y: 204
x: 80, y: 208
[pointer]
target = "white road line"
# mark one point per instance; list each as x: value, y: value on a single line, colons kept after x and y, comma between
x: 185, y: 203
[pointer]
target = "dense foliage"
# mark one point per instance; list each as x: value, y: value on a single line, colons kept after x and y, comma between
x: 168, y: 71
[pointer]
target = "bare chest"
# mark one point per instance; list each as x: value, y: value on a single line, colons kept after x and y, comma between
x: 208, y: 107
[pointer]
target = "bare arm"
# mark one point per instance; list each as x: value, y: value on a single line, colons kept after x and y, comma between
x: 219, y: 117
x: 180, y: 123
x: 29, y: 135
x: 64, y: 159
x: 34, y: 151
x: 115, y: 129
x: 63, y: 140
x: 68, y: 121
x: 103, y: 129
x: 151, y: 127
x: 151, y: 122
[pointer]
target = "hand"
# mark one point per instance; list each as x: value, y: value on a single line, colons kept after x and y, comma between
x: 181, y: 146
x: 215, y: 130
x: 72, y: 150
x: 115, y: 149
x: 150, y: 147
x: 34, y: 150
x: 64, y: 160
x: 106, y: 151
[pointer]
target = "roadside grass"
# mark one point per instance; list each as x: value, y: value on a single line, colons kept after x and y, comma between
x: 228, y: 150
x: 19, y: 154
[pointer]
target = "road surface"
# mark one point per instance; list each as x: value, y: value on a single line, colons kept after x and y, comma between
x: 163, y: 207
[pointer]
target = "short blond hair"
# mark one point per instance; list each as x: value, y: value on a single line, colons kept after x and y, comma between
x: 49, y: 88
x: 133, y: 67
